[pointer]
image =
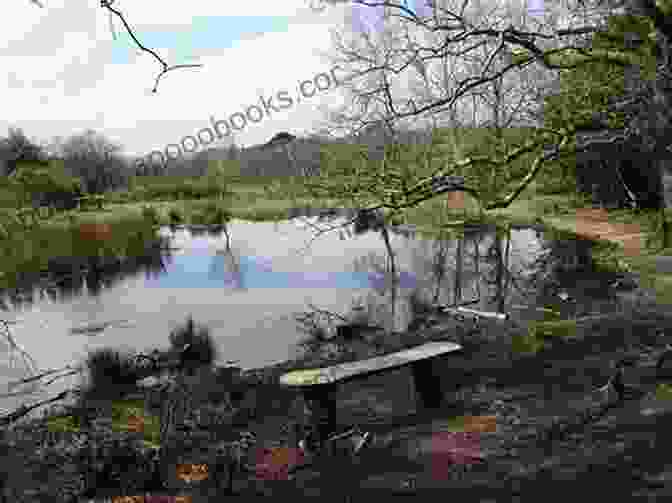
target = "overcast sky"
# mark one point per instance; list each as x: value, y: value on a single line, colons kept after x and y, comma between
x: 63, y: 72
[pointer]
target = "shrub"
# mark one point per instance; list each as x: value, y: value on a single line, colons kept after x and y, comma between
x: 214, y: 214
x: 149, y: 213
x: 111, y: 374
x: 202, y: 350
x: 175, y: 216
x: 114, y: 464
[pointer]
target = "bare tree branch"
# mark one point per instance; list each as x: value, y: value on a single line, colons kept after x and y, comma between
x: 25, y: 410
x: 108, y: 5
x: 27, y: 380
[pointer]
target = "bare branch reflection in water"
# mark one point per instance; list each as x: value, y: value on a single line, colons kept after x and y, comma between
x: 28, y: 361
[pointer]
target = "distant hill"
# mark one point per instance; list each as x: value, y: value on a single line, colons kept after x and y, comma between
x: 274, y: 158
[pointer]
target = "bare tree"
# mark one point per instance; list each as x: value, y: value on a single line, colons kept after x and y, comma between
x: 18, y: 147
x: 379, y: 66
x: 96, y: 160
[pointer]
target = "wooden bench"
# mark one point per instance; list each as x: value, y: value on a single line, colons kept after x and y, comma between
x: 319, y: 385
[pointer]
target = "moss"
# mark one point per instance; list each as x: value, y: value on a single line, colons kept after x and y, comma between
x: 553, y: 328
x: 62, y: 424
x: 526, y: 344
x: 467, y: 423
x: 122, y: 412
x: 663, y: 391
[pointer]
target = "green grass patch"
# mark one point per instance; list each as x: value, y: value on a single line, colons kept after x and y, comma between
x: 663, y: 391
x: 526, y: 344
x: 554, y: 328
x: 122, y: 412
x: 455, y: 424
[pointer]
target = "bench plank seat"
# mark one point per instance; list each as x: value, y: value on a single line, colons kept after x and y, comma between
x: 345, y: 371
x: 319, y: 385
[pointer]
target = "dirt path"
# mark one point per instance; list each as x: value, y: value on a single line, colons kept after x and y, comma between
x: 594, y: 223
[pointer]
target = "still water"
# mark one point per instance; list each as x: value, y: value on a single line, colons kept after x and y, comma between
x: 247, y: 288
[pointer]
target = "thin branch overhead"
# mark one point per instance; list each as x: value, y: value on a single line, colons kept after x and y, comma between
x: 108, y: 5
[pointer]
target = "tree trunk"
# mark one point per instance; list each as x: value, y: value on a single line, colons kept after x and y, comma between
x: 457, y: 295
x: 666, y: 202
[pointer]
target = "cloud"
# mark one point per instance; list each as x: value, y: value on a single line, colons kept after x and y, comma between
x: 182, y: 14
x: 64, y: 73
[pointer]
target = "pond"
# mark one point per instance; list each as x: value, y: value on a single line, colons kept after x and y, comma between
x: 246, y: 283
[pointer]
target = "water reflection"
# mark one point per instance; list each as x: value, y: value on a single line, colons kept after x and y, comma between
x: 495, y: 267
x: 504, y: 270
x: 76, y: 277
x: 248, y: 282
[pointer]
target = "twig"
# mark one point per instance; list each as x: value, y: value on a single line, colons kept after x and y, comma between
x: 40, y: 376
x: 329, y: 314
x: 14, y: 345
x: 73, y: 372
x: 661, y: 359
x: 24, y: 410
x: 108, y: 5
x: 320, y: 232
x: 616, y: 381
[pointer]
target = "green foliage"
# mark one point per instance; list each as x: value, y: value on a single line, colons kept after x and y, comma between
x: 214, y: 214
x: 228, y: 169
x: 595, y: 82
x: 663, y: 391
x: 555, y: 328
x: 171, y: 188
x: 150, y: 214
x: 175, y: 216
x: 122, y: 411
x: 46, y: 179
x: 348, y: 175
x: 665, y: 6
x: 492, y: 180
x: 657, y: 223
x: 554, y: 184
x: 526, y: 344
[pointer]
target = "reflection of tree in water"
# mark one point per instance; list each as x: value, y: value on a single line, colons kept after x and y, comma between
x: 440, y: 262
x: 468, y: 266
x: 68, y: 275
x: 225, y: 263
x: 368, y: 221
x: 382, y: 303
x: 500, y: 275
x: 198, y: 231
x: 566, y: 265
x: 331, y: 334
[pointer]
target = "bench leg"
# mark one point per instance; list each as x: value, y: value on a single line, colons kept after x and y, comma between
x: 321, y: 401
x: 427, y: 385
